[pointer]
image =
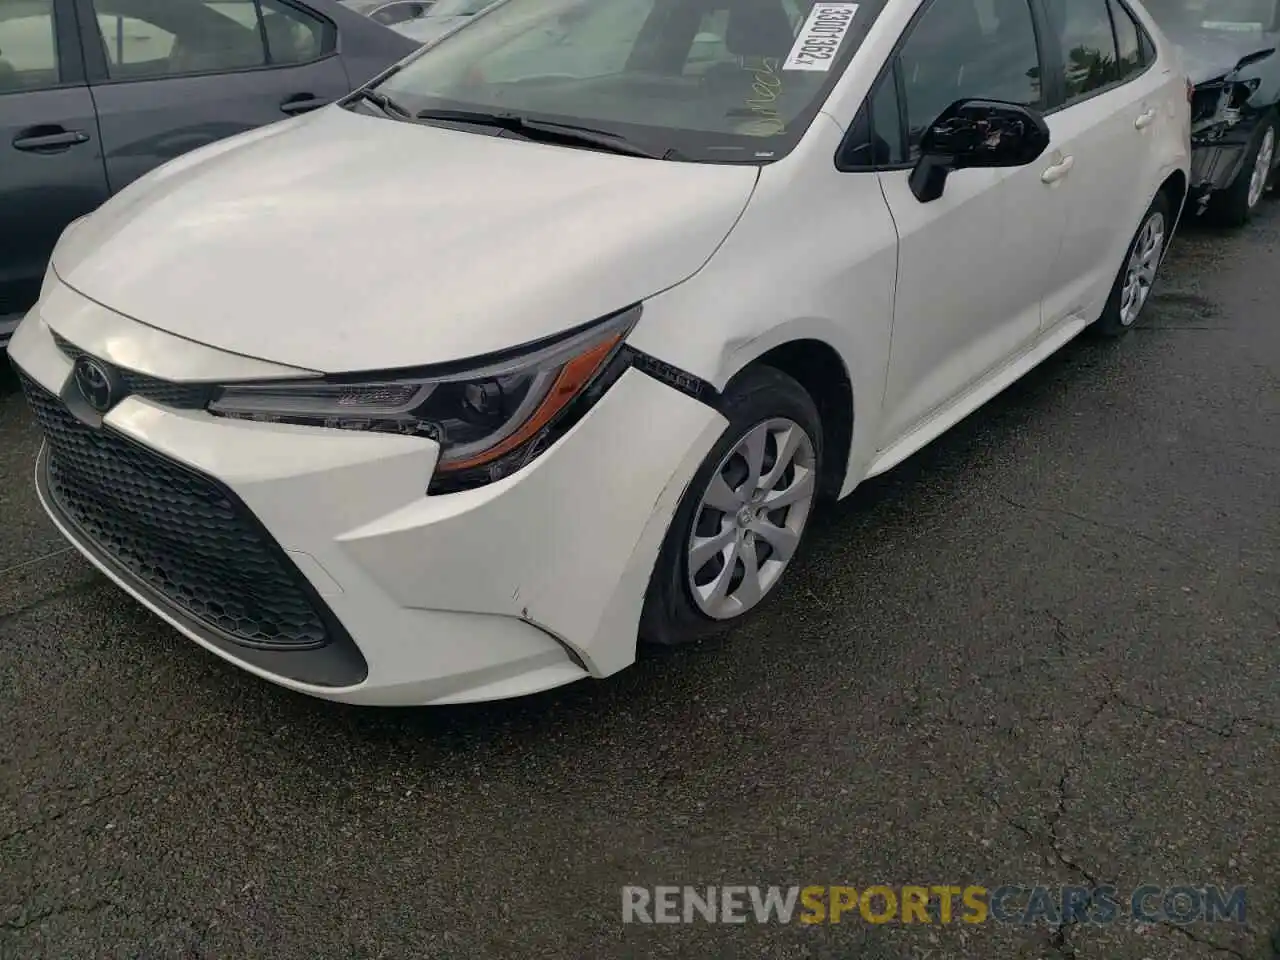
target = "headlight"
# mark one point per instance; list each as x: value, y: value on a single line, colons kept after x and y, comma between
x: 489, y: 419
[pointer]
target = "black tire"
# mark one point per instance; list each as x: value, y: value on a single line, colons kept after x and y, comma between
x: 670, y: 615
x: 1114, y: 322
x: 1230, y: 207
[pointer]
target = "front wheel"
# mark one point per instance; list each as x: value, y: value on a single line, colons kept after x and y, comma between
x: 1132, y: 288
x: 1235, y: 206
x: 743, y: 515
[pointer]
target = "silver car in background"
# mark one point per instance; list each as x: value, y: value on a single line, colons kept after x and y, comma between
x: 441, y: 17
x: 390, y: 12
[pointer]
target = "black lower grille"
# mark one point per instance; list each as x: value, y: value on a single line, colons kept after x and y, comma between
x: 181, y: 534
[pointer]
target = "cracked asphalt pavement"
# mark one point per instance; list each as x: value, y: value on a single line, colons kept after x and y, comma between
x: 1045, y: 650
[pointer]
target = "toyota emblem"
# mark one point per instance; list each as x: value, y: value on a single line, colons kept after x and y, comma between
x: 95, y: 382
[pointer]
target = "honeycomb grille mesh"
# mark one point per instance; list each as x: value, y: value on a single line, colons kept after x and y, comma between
x: 176, y: 531
x: 166, y: 393
x: 181, y: 396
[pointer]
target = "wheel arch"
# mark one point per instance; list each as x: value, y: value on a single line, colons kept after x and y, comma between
x: 1174, y: 189
x: 821, y: 371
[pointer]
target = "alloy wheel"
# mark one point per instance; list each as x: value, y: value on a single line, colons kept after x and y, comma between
x: 750, y: 518
x: 1262, y: 167
x: 1140, y: 274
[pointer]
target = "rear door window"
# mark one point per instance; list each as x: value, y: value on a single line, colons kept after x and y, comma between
x: 177, y: 37
x: 169, y: 38
x: 1129, y: 60
x: 1087, y: 40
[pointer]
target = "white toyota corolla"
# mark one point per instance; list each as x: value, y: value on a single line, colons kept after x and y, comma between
x: 552, y: 337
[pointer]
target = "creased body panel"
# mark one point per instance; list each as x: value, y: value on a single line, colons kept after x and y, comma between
x: 527, y: 583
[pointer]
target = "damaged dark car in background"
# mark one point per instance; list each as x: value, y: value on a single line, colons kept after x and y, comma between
x: 1229, y: 50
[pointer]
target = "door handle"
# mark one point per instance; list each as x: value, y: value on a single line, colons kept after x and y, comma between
x: 55, y: 141
x: 1059, y: 170
x: 1145, y: 120
x: 302, y: 103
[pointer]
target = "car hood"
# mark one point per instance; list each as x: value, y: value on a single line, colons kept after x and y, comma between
x: 1210, y: 56
x: 340, y: 242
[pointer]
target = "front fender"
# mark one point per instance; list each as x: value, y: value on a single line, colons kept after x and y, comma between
x: 813, y: 257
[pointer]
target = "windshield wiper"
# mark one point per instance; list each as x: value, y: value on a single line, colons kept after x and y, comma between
x: 384, y: 103
x: 549, y: 130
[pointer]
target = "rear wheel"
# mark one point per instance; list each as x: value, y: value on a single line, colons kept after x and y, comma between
x: 1132, y: 289
x: 742, y: 518
x: 1235, y: 206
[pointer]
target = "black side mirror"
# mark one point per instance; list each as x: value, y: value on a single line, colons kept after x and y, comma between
x: 976, y: 133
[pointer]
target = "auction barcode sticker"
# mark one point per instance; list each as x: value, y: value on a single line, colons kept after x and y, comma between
x: 820, y: 37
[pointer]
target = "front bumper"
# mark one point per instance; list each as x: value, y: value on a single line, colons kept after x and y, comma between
x: 1215, y: 166
x: 1219, y: 151
x: 523, y: 585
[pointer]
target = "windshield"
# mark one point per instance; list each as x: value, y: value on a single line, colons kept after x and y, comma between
x: 724, y: 81
x: 1223, y: 16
